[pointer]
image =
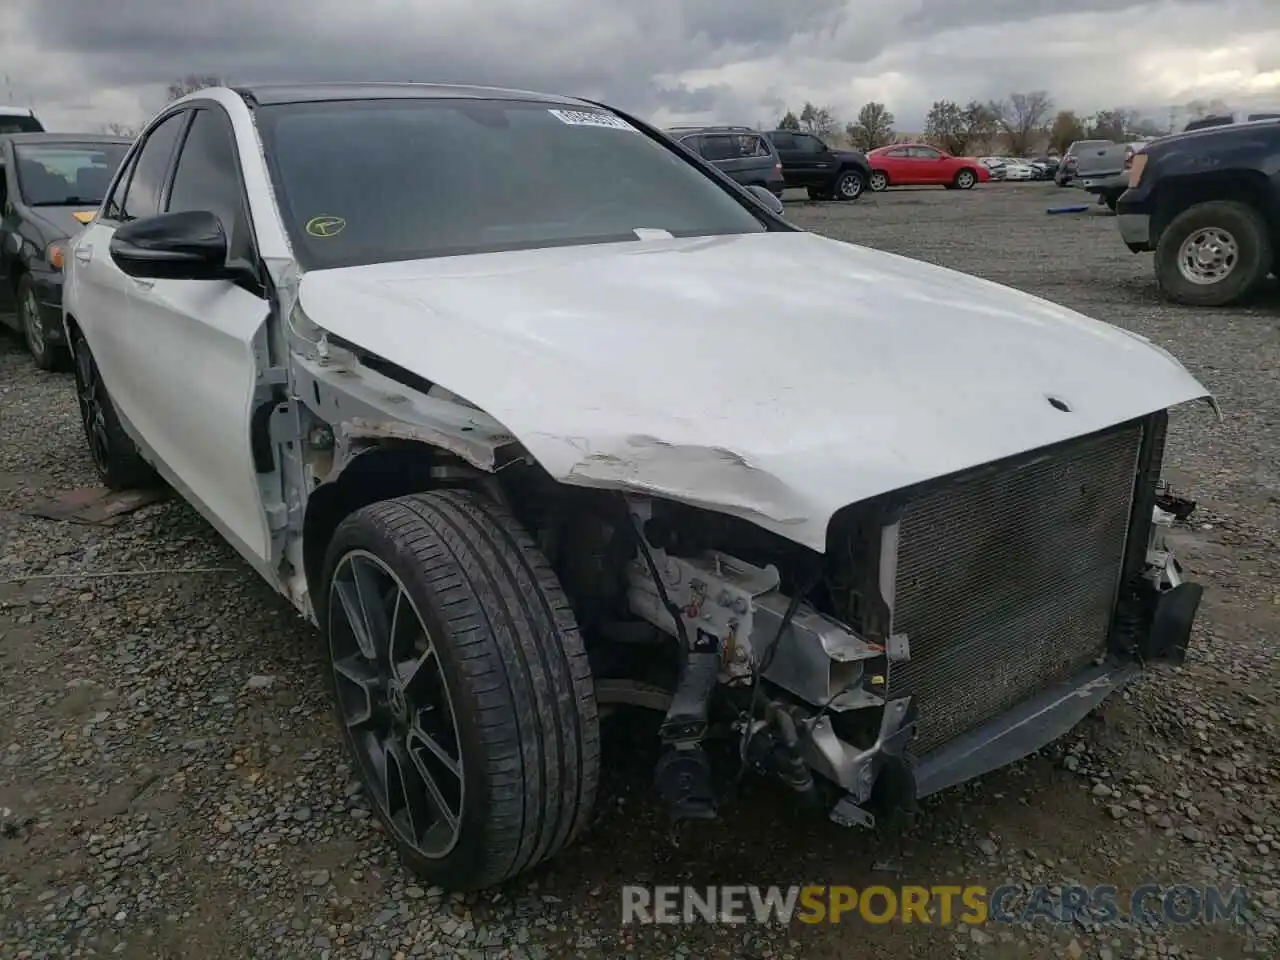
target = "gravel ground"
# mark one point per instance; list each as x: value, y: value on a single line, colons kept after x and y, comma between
x: 171, y: 784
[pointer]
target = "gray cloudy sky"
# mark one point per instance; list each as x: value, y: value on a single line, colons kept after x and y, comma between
x: 83, y: 63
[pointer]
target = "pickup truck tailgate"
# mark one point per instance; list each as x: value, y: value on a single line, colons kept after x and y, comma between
x: 1094, y: 163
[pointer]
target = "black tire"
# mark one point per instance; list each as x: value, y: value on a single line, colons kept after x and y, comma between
x: 1247, y: 229
x: 965, y: 179
x: 848, y: 185
x: 879, y: 181
x: 115, y: 458
x: 1111, y: 200
x: 47, y: 356
x: 817, y: 193
x: 516, y: 673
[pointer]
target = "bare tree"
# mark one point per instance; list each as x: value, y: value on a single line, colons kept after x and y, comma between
x: 958, y: 129
x: 191, y: 83
x: 1021, y: 117
x: 1111, y: 124
x: 114, y: 129
x: 873, y: 128
x: 817, y: 120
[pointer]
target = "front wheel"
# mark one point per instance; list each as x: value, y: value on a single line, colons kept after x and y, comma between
x: 849, y: 185
x: 462, y: 686
x: 47, y: 356
x: 965, y: 179
x: 1213, y: 254
x: 879, y: 181
x: 115, y: 458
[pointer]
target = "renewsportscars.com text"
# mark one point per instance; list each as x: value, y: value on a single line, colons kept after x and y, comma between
x: 940, y: 905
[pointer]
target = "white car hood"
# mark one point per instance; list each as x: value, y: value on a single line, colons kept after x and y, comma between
x: 774, y: 376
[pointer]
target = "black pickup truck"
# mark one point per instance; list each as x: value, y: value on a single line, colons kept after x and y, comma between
x: 1208, y: 203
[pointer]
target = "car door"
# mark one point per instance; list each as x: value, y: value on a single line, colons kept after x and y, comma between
x: 197, y: 374
x: 790, y: 158
x: 817, y: 163
x: 895, y: 162
x: 102, y: 290
x: 8, y: 237
x: 929, y: 165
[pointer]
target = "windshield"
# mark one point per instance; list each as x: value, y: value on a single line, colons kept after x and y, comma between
x: 66, y: 174
x: 369, y: 181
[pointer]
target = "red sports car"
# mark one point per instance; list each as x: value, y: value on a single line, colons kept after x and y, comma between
x: 916, y: 164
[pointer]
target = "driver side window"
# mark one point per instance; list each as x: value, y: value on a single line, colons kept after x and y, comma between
x: 205, y: 177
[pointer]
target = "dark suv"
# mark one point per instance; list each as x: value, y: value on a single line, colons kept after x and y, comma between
x: 826, y: 173
x: 743, y: 153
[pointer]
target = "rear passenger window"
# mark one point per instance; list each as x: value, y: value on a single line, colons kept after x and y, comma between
x: 784, y: 141
x: 143, y: 196
x: 719, y: 148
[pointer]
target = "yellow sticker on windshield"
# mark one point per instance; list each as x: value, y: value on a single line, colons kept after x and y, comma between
x: 84, y: 216
x: 325, y: 226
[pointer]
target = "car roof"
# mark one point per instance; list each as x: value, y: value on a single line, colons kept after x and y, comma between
x: 11, y: 111
x: 20, y: 138
x: 270, y: 94
x: 710, y: 128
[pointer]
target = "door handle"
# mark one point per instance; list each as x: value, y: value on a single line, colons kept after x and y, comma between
x: 84, y: 253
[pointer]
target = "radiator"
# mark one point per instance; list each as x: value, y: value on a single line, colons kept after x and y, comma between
x: 1006, y: 581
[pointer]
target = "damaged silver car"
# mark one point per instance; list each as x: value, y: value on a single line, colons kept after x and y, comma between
x: 538, y: 416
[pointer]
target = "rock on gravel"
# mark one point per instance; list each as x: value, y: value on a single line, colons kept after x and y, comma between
x: 171, y: 784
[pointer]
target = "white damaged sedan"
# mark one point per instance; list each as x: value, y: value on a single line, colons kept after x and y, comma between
x: 541, y: 419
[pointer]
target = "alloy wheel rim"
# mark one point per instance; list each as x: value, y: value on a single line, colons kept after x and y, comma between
x: 877, y: 181
x: 395, y: 704
x: 1208, y: 256
x: 966, y: 179
x: 31, y: 321
x: 91, y: 412
x: 850, y: 185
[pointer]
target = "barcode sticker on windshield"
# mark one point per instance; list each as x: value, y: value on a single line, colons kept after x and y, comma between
x: 590, y: 118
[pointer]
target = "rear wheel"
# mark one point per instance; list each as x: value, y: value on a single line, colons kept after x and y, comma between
x: 849, y: 185
x: 462, y: 686
x: 965, y: 179
x: 879, y: 181
x: 115, y: 458
x: 1213, y: 254
x: 818, y: 193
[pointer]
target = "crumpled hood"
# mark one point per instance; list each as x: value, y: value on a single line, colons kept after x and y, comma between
x: 774, y: 376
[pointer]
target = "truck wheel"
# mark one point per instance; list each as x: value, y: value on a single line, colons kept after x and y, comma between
x: 1213, y: 254
x: 115, y: 458
x: 462, y: 685
x: 849, y: 185
x: 818, y: 194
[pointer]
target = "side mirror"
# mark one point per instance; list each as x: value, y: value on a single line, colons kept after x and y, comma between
x: 190, y: 245
x: 767, y: 199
